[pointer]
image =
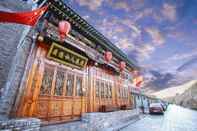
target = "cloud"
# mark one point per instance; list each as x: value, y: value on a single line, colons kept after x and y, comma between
x: 144, y: 51
x: 180, y: 57
x: 156, y: 36
x: 122, y: 5
x: 125, y: 44
x: 126, y: 5
x: 143, y: 13
x: 91, y: 4
x: 136, y: 31
x: 169, y: 12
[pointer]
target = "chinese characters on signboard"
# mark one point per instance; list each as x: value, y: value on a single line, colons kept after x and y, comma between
x: 66, y: 56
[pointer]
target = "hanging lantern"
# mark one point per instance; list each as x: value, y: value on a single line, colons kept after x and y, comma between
x: 108, y: 56
x: 122, y: 65
x: 64, y: 28
x: 137, y: 81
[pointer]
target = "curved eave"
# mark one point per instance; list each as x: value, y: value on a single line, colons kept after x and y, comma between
x: 88, y: 30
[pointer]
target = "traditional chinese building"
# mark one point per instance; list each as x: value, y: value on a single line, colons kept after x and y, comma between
x: 61, y: 80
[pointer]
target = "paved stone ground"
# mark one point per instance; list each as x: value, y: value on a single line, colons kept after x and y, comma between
x: 175, y: 119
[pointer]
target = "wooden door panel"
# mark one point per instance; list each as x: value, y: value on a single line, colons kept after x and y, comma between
x: 55, y: 108
x: 97, y: 104
x: 67, y: 107
x: 42, y: 109
x: 77, y: 107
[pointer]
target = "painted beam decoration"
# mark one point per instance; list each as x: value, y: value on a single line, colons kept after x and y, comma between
x: 66, y: 56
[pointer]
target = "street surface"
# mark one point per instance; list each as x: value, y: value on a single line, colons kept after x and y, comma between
x: 175, y: 119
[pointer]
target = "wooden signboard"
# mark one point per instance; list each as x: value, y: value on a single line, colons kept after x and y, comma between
x: 66, y: 56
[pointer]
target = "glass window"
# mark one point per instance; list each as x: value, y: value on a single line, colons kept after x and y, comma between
x: 126, y: 93
x: 123, y: 92
x: 79, y: 86
x: 102, y: 90
x: 120, y: 94
x: 110, y: 91
x: 47, y: 81
x: 97, y: 88
x: 59, y: 84
x: 69, y: 85
x: 106, y: 90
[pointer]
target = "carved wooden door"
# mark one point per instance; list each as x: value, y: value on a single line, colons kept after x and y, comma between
x: 55, y: 93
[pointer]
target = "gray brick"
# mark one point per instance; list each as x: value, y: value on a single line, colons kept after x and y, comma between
x: 12, y: 59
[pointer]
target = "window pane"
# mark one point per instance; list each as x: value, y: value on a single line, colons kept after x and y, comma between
x: 110, y: 91
x: 126, y: 93
x: 97, y: 88
x: 69, y: 85
x: 79, y: 86
x: 123, y: 93
x: 102, y: 90
x: 47, y: 81
x: 119, y: 93
x: 106, y: 91
x: 59, y: 83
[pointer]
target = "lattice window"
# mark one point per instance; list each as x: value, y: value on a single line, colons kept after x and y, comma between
x: 79, y: 86
x: 69, y: 85
x: 59, y: 84
x: 47, y: 81
x: 97, y: 88
x: 102, y: 90
x: 106, y: 90
x: 110, y: 91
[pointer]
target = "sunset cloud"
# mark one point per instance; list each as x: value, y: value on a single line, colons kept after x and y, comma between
x: 180, y: 57
x: 145, y: 51
x: 125, y: 44
x: 122, y: 5
x: 158, y: 35
x: 91, y: 4
x: 155, y: 34
x: 143, y: 13
x: 136, y: 31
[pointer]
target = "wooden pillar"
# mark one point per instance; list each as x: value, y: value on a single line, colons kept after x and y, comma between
x: 90, y: 89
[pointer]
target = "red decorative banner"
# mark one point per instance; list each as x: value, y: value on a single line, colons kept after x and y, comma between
x: 26, y: 18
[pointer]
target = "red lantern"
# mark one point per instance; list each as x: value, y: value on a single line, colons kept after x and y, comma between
x: 122, y: 65
x: 137, y: 81
x: 64, y: 28
x: 108, y: 56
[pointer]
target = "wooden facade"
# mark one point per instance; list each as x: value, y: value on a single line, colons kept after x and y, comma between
x: 75, y: 80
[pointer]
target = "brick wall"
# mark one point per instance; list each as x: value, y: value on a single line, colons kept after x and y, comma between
x: 13, y: 56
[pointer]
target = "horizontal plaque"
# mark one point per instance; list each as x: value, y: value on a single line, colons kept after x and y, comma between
x: 66, y: 56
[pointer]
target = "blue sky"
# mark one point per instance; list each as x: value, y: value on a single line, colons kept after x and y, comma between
x: 160, y: 34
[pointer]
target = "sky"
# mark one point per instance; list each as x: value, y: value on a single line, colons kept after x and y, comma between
x: 161, y: 35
